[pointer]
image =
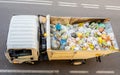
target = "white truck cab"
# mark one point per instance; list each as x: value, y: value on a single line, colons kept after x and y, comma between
x: 23, y: 41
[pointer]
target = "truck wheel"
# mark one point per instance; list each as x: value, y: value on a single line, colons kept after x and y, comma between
x: 32, y: 63
x: 79, y: 62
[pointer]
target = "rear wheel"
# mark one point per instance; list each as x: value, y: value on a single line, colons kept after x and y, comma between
x: 79, y: 62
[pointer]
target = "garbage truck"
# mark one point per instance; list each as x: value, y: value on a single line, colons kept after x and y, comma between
x: 33, y: 38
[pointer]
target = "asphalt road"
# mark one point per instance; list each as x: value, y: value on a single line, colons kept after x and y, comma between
x: 110, y: 65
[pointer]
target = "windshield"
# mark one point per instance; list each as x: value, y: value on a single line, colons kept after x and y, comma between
x: 21, y: 52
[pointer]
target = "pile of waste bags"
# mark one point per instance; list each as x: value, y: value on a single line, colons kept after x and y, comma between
x: 89, y: 35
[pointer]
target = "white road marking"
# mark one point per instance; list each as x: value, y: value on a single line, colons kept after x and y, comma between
x: 112, y: 7
x: 42, y: 1
x: 91, y: 7
x: 68, y: 4
x: 105, y: 72
x: 90, y: 4
x: 23, y: 2
x: 78, y: 72
x: 94, y: 6
x: 28, y: 71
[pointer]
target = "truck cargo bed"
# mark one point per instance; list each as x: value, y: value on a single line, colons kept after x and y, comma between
x: 96, y: 34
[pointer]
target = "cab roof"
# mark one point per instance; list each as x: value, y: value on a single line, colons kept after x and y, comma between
x: 23, y: 32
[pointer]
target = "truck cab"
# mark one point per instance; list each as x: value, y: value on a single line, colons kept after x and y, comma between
x: 23, y: 39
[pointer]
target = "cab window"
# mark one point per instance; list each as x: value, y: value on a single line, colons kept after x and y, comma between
x: 21, y: 52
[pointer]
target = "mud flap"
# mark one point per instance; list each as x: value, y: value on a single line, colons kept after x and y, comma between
x: 98, y: 59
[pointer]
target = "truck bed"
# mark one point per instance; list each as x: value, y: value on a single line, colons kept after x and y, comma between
x: 105, y: 41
